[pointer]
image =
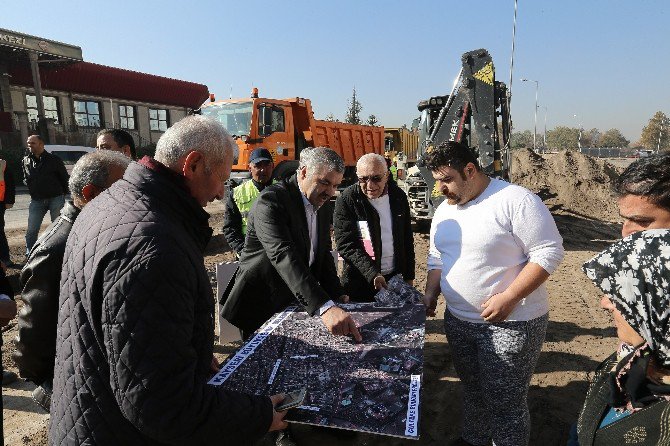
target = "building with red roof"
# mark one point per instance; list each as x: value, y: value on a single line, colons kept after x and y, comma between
x: 79, y: 98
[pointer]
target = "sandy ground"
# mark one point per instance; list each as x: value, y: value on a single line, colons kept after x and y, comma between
x: 579, y: 336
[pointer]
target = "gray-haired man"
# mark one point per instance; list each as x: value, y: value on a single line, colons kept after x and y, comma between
x: 286, y: 256
x: 40, y: 278
x: 136, y: 320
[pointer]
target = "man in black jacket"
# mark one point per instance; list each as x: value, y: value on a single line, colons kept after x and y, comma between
x: 136, y: 321
x: 373, y: 230
x: 40, y: 278
x: 46, y: 178
x: 286, y: 257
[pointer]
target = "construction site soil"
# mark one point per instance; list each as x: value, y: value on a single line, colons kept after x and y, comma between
x: 576, y: 188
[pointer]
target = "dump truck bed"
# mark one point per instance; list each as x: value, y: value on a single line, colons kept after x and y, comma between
x: 348, y: 140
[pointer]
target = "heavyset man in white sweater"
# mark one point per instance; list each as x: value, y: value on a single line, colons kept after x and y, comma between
x: 492, y: 246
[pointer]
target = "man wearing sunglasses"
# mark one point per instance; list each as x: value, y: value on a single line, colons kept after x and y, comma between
x: 373, y: 230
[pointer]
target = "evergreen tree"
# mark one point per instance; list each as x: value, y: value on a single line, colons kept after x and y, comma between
x: 354, y: 110
x: 372, y: 120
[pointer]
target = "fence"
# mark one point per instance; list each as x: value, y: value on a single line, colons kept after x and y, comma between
x: 607, y: 152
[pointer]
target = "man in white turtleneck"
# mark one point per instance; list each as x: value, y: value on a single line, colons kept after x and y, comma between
x: 373, y: 230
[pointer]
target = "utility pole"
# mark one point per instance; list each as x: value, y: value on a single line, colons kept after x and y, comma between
x: 660, y: 132
x: 579, y: 136
x: 537, y: 87
x: 544, y: 135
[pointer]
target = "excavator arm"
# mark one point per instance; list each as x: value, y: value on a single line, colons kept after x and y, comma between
x: 470, y: 115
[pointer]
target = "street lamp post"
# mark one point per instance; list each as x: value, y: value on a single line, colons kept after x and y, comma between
x: 537, y: 87
x: 579, y: 136
x: 544, y: 135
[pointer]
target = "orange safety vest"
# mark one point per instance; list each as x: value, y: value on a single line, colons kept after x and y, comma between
x: 3, y: 163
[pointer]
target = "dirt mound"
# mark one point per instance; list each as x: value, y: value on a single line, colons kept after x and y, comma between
x: 569, y: 182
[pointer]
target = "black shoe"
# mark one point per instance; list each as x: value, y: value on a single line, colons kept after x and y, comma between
x: 42, y: 396
x: 8, y: 377
x: 284, y: 438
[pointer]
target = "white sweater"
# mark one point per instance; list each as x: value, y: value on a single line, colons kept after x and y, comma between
x: 482, y: 246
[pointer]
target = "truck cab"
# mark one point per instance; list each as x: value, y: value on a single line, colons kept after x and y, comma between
x: 274, y: 124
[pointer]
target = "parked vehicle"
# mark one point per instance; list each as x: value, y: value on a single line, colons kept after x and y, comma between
x: 401, y: 147
x: 69, y: 154
x: 285, y: 127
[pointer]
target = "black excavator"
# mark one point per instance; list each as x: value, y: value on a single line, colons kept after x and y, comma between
x: 476, y: 113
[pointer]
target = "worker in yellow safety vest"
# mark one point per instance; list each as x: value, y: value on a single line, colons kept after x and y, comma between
x: 393, y: 170
x: 242, y: 197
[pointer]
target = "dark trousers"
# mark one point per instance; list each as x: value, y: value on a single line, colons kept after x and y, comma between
x: 4, y: 246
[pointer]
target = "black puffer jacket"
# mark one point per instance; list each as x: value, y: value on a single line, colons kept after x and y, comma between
x: 360, y: 269
x: 40, y: 280
x: 136, y: 325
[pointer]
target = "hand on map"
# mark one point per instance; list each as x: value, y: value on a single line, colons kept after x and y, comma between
x: 278, y: 422
x: 339, y: 322
x: 379, y: 282
x: 498, y: 307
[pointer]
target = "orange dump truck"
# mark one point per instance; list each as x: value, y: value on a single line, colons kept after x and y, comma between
x: 287, y: 126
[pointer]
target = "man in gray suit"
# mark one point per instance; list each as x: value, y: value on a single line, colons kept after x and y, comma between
x: 286, y: 257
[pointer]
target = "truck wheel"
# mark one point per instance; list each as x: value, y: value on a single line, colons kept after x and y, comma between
x: 285, y: 169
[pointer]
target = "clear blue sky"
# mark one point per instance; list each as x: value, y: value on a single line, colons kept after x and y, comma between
x: 606, y: 61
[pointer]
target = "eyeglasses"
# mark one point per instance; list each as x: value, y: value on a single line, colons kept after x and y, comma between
x: 373, y: 178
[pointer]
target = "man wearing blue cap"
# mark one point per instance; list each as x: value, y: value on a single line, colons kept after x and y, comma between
x: 243, y: 196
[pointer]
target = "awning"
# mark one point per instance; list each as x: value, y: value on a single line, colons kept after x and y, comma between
x: 87, y: 78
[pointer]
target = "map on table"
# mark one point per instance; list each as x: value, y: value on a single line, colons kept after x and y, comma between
x: 372, y: 386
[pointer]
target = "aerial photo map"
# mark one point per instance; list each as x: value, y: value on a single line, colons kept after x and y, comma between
x: 373, y: 386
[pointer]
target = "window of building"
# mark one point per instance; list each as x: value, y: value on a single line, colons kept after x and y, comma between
x: 127, y: 117
x: 87, y: 113
x: 158, y: 120
x: 50, y: 108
